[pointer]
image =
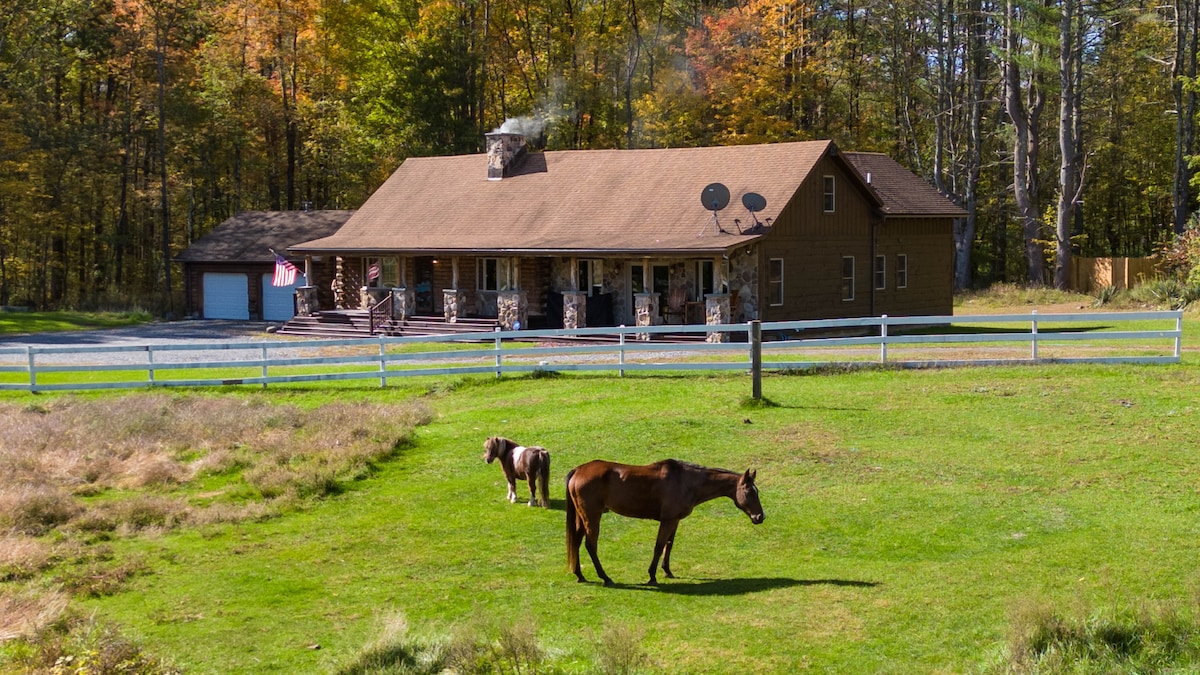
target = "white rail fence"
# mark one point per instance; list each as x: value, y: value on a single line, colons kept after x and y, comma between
x: 911, y: 342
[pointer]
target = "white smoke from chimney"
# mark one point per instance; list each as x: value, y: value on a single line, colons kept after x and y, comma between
x: 529, y: 127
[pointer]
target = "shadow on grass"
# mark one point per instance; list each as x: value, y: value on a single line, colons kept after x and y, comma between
x: 729, y: 587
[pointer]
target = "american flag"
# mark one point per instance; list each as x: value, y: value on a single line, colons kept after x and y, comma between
x: 285, y: 272
x: 373, y: 272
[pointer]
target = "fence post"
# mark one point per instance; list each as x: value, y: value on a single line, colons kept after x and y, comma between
x: 883, y: 335
x: 1035, y: 334
x: 756, y: 359
x: 32, y: 369
x: 382, y: 363
x: 150, y: 364
x: 1178, y: 333
x: 621, y: 353
x: 499, y: 345
x: 264, y: 365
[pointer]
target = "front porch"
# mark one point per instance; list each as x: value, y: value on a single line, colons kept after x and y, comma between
x: 526, y: 292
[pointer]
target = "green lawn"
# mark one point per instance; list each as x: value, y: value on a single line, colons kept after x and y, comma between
x: 909, y: 514
x: 41, y: 322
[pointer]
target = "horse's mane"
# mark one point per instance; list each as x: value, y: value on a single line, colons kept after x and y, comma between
x: 691, y: 465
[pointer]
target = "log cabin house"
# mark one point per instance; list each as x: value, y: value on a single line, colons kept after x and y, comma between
x: 641, y: 237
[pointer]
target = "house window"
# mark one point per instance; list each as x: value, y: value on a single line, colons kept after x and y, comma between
x: 591, y: 277
x: 901, y: 271
x: 880, y: 272
x: 381, y: 272
x: 848, y: 277
x: 493, y: 274
x: 705, y: 284
x: 829, y: 200
x: 775, y: 282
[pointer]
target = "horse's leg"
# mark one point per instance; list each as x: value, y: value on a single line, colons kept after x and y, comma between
x: 592, y: 535
x: 532, y: 490
x: 512, y: 491
x: 666, y: 532
x: 666, y: 566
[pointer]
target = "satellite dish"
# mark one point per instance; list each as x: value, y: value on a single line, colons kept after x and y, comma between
x: 754, y: 202
x: 715, y: 197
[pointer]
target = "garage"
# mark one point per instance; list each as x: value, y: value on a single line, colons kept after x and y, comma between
x: 226, y: 296
x: 278, y: 302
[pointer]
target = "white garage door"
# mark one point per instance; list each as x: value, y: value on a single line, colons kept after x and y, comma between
x: 226, y: 296
x: 278, y: 301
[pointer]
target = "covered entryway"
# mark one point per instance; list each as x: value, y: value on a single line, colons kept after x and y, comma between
x: 279, y: 302
x: 226, y: 296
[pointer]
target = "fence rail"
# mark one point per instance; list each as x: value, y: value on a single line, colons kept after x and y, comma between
x: 914, y: 342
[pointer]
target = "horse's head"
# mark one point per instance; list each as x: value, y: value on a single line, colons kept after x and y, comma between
x: 491, y: 448
x: 746, y: 497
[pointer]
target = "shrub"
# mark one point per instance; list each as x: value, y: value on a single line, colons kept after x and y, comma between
x: 1156, y: 638
x: 395, y: 651
x: 78, y: 645
x: 33, y: 510
x: 620, y: 651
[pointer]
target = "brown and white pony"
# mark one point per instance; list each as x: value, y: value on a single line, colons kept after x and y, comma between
x: 519, y: 462
x: 665, y: 491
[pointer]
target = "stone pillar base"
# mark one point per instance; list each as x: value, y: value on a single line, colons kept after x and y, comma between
x: 716, y: 312
x: 306, y: 301
x: 645, y: 310
x: 453, y: 303
x: 404, y: 303
x: 574, y: 309
x: 512, y: 310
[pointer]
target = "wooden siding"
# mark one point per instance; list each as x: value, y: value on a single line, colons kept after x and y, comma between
x: 812, y: 244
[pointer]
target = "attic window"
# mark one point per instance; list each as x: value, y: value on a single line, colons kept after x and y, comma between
x: 829, y: 200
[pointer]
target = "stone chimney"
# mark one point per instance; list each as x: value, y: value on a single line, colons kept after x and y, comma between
x: 504, y: 150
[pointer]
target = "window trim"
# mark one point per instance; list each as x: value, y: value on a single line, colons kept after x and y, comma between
x: 848, y: 281
x: 481, y: 274
x: 829, y: 193
x: 775, y: 286
x: 901, y: 270
x: 881, y: 273
x: 705, y: 286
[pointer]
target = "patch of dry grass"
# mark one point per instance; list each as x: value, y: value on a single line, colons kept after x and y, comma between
x: 22, y: 557
x: 27, y: 612
x: 55, y: 455
x: 84, y: 645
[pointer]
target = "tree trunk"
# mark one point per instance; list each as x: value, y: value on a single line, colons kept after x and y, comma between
x: 1068, y: 168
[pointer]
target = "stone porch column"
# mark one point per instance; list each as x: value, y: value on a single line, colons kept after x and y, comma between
x: 716, y: 312
x: 453, y: 302
x: 574, y: 309
x: 404, y: 303
x: 306, y: 301
x: 512, y: 310
x: 645, y: 310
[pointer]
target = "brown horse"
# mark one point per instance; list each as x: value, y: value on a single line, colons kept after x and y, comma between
x: 665, y: 491
x: 520, y: 462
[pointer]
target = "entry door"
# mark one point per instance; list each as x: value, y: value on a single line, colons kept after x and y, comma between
x: 424, y: 275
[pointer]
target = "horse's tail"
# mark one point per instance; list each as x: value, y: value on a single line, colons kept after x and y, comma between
x: 573, y: 533
x: 544, y: 475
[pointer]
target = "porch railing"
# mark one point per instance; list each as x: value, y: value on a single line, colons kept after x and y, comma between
x: 380, y: 313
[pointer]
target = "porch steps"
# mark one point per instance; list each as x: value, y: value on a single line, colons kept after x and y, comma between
x: 355, y: 323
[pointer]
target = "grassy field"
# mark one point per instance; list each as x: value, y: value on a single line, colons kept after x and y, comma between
x: 916, y: 521
x: 39, y: 322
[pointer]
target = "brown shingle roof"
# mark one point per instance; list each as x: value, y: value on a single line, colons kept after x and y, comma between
x: 575, y: 200
x: 250, y: 235
x: 903, y: 193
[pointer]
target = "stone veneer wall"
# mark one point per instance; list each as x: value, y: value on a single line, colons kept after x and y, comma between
x: 512, y: 309
x: 743, y: 278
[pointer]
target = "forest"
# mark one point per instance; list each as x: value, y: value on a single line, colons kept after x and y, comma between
x: 129, y: 128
